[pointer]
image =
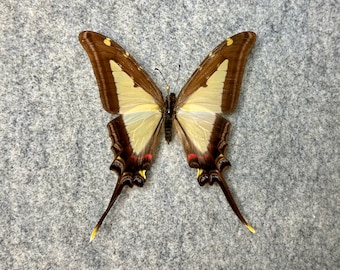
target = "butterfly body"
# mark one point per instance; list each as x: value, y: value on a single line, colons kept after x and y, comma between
x: 196, y: 114
x: 169, y: 112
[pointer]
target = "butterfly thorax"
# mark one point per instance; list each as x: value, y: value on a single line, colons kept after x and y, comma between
x: 170, y: 101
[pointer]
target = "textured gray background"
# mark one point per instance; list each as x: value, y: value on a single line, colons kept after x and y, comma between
x: 55, y: 150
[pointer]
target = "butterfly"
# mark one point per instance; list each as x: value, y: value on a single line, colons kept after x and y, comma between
x: 127, y: 91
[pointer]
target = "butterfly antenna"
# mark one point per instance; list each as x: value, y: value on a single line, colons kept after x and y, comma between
x: 179, y: 72
x: 167, y: 86
x: 116, y: 193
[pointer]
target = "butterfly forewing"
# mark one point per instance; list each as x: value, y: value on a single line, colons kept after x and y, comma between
x: 213, y: 88
x: 105, y: 56
x: 230, y: 56
x: 125, y: 89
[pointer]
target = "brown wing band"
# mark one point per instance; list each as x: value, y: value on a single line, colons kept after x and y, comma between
x: 214, y: 162
x: 236, y: 53
x: 239, y: 51
x: 131, y: 168
x: 126, y: 164
x: 101, y: 50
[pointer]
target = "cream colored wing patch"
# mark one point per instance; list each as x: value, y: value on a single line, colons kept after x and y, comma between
x: 131, y: 98
x: 140, y: 112
x: 140, y: 127
x: 197, y: 115
x: 209, y: 98
x: 197, y: 127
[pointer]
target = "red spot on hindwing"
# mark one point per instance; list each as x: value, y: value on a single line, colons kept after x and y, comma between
x: 191, y: 157
x: 133, y: 158
x: 148, y: 156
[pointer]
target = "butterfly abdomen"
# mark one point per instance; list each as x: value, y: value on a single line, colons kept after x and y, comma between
x: 170, y: 101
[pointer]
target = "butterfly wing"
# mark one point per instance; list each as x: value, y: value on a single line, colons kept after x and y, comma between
x: 125, y: 89
x: 213, y: 89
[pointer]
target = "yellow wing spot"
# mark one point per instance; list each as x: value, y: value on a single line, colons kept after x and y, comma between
x: 107, y: 42
x: 167, y: 88
x: 93, y: 234
x: 126, y: 54
x: 120, y: 159
x: 143, y: 173
x: 250, y: 228
x: 211, y: 55
x: 199, y: 172
x: 229, y: 41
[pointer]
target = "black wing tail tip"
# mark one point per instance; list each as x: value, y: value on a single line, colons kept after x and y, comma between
x: 213, y: 176
x: 117, y: 191
x: 230, y: 198
x: 127, y: 179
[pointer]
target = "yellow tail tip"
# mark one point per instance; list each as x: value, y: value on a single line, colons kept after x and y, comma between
x: 93, y: 234
x: 250, y: 228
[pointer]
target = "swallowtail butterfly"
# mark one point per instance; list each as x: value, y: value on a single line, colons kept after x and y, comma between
x: 196, y: 114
